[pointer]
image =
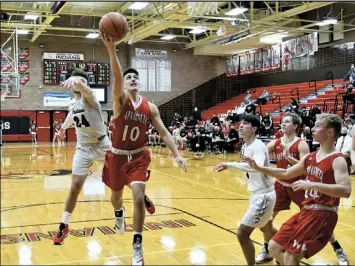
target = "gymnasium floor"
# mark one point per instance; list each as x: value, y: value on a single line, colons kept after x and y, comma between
x: 196, y: 217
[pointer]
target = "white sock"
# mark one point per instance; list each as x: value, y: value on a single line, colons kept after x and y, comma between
x: 65, y: 217
x: 137, y: 233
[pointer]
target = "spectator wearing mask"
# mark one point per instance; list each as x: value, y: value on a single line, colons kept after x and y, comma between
x: 232, y: 140
x: 250, y: 109
x: 267, y: 124
x: 344, y: 145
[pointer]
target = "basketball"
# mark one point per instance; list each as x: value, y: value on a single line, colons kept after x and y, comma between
x: 114, y: 25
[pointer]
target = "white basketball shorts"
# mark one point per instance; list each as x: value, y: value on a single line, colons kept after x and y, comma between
x: 85, y: 155
x: 261, y: 207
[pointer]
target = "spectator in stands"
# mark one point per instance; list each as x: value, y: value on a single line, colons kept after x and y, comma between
x: 250, y: 109
x: 198, y: 142
x: 314, y: 112
x: 344, y: 145
x: 176, y: 136
x: 263, y: 98
x: 232, y: 140
x: 294, y: 105
x: 348, y: 122
x: 307, y: 137
x: 350, y: 72
x: 248, y: 98
x: 218, y: 140
x: 267, y: 125
x: 305, y: 114
x: 216, y: 121
x: 177, y: 119
x: 196, y: 115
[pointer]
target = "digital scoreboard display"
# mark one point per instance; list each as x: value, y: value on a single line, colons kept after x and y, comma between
x: 55, y: 72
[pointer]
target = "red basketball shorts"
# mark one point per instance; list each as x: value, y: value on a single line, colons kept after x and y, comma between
x: 308, y: 231
x: 118, y: 171
x: 285, y: 195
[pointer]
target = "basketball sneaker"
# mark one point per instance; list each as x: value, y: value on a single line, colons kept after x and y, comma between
x: 263, y: 257
x: 120, y: 223
x: 149, y: 205
x: 137, y: 258
x: 63, y: 232
x: 342, y: 258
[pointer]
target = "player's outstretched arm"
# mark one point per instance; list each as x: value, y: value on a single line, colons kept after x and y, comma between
x: 166, y: 136
x: 342, y: 188
x: 279, y: 173
x: 119, y: 95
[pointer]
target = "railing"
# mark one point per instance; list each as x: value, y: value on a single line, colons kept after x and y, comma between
x: 274, y: 97
x: 313, y: 83
x: 330, y: 105
x: 330, y: 75
x: 297, y: 93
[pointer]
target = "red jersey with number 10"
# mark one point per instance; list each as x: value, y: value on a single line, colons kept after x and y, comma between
x: 130, y: 127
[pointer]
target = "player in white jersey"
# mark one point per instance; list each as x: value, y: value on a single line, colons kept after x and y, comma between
x: 92, y: 143
x: 262, y: 194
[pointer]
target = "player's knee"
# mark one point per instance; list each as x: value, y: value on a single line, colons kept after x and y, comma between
x: 274, y: 248
x: 138, y: 198
x: 242, y: 235
x: 76, y: 188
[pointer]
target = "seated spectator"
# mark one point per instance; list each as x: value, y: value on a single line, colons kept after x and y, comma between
x: 248, y: 98
x: 153, y: 137
x: 263, y: 98
x: 267, y: 125
x: 344, y: 145
x: 198, y: 143
x: 250, y: 109
x: 347, y: 76
x: 232, y: 140
x: 218, y: 141
x: 308, y: 138
x: 216, y: 121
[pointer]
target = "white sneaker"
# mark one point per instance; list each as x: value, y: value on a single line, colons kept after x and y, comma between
x: 342, y: 258
x: 137, y: 258
x: 120, y: 224
x: 263, y: 257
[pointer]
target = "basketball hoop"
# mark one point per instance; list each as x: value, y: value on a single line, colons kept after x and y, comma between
x: 196, y: 9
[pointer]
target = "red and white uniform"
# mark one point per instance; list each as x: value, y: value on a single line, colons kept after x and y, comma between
x: 284, y: 191
x: 128, y: 161
x: 33, y: 129
x: 311, y: 228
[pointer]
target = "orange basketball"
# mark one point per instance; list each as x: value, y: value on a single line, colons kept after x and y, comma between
x: 114, y: 25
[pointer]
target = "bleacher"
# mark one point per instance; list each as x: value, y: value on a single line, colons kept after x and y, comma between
x: 280, y: 96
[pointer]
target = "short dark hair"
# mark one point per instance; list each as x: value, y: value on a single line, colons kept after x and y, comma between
x: 130, y: 70
x: 252, y: 119
x: 79, y: 72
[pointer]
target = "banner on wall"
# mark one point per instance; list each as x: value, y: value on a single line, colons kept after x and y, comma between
x: 232, y: 66
x: 151, y: 53
x: 250, y: 57
x: 266, y: 58
x: 258, y: 60
x: 56, y: 99
x: 287, y: 53
x: 243, y: 64
x: 63, y: 56
x: 312, y: 43
x: 276, y: 56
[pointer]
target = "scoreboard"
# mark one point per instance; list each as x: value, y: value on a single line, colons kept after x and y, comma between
x: 55, y: 72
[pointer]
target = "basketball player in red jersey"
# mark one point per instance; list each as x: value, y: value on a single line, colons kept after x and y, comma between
x: 128, y: 161
x: 307, y: 232
x: 288, y: 151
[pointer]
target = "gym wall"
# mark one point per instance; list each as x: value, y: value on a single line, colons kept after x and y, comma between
x: 188, y: 71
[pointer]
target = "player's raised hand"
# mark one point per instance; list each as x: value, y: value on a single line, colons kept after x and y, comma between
x: 70, y: 82
x: 251, y: 162
x: 107, y: 40
x: 181, y: 162
x: 220, y: 167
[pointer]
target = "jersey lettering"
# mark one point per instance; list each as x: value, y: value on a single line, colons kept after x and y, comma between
x: 80, y: 121
x: 134, y: 133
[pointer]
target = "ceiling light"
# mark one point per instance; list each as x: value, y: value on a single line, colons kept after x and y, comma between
x: 30, y: 16
x: 22, y: 32
x: 138, y: 5
x: 274, y: 38
x: 328, y: 21
x: 198, y: 30
x: 92, y: 35
x: 236, y: 11
x: 168, y: 37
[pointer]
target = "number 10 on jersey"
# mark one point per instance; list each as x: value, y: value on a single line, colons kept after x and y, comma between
x: 133, y: 133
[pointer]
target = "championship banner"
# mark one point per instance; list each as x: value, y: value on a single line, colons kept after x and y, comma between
x: 232, y: 66
x: 287, y: 53
x: 56, y: 99
x: 276, y: 56
x: 243, y: 64
x: 301, y: 47
x: 250, y: 56
x: 258, y: 60
x: 266, y: 58
x: 312, y: 43
x: 63, y: 56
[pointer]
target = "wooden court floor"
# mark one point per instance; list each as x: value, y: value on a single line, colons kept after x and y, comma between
x: 195, y: 222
